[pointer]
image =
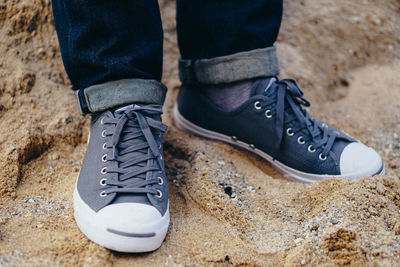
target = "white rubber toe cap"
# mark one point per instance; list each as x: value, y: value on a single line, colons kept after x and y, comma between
x: 358, y: 160
x: 130, y: 217
x: 124, y: 227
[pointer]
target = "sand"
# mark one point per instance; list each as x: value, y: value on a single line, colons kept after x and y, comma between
x: 346, y: 57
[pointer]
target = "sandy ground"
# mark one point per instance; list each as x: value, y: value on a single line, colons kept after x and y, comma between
x: 345, y: 55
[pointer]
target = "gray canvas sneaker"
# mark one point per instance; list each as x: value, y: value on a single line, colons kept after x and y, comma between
x: 273, y: 124
x: 121, y: 195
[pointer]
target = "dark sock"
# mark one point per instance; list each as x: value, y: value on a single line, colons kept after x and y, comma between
x: 230, y: 96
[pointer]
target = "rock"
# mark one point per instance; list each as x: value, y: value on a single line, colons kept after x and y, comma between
x: 228, y: 190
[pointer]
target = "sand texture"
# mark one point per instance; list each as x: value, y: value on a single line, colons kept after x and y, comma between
x: 346, y: 56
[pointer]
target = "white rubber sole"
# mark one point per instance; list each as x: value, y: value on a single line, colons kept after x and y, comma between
x: 290, y: 173
x: 97, y: 230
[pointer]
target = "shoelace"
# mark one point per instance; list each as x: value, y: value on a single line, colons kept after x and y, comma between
x: 135, y: 149
x: 289, y: 103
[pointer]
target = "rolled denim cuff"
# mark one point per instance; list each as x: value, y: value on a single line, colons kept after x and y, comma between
x: 231, y: 68
x: 107, y: 95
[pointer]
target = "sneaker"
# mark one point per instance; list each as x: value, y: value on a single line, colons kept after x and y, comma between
x: 121, y: 195
x: 273, y: 124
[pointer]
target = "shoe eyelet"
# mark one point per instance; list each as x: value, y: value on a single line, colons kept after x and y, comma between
x: 105, y: 146
x: 104, y: 170
x: 103, y: 193
x: 103, y: 182
x: 268, y: 114
x: 300, y: 140
x: 234, y: 138
x: 257, y: 105
x: 159, y: 171
x: 159, y: 194
x: 102, y: 121
x: 103, y: 133
x: 104, y: 158
x: 322, y: 157
x: 252, y: 146
x: 311, y: 149
x: 161, y: 157
x: 289, y: 132
x: 161, y: 180
x: 160, y: 146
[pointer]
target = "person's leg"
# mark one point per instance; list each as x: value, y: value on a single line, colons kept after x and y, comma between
x: 209, y: 29
x: 112, y: 51
x: 230, y: 93
x: 240, y: 33
x: 212, y: 34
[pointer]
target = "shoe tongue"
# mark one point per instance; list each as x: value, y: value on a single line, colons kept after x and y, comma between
x: 263, y: 87
x: 125, y: 108
x: 133, y: 198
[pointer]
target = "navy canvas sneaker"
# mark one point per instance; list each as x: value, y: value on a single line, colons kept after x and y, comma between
x: 273, y: 124
x: 121, y: 195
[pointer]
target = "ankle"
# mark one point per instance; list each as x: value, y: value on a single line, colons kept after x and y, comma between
x: 228, y: 96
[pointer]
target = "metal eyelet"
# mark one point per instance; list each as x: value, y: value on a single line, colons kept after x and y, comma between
x: 300, y: 140
x: 103, y: 182
x: 161, y: 157
x: 159, y: 194
x: 102, y: 121
x: 311, y: 149
x: 103, y: 133
x: 252, y: 146
x: 159, y: 171
x: 322, y: 157
x: 161, y: 181
x: 289, y: 132
x: 268, y: 113
x: 104, y: 158
x: 234, y: 138
x: 105, y: 146
x: 104, y: 170
x: 103, y: 193
x: 160, y: 146
x: 257, y: 105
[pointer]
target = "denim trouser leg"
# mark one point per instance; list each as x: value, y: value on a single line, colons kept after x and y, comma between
x: 227, y: 40
x: 112, y: 51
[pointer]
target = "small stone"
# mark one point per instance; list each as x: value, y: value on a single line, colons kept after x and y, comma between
x: 221, y: 162
x: 9, y: 183
x: 334, y: 221
x: 226, y: 258
x: 298, y: 240
x: 303, y: 262
x: 373, y: 211
x: 55, y: 156
x: 69, y: 119
x: 228, y: 190
x: 315, y: 227
x: 380, y: 188
x: 31, y: 200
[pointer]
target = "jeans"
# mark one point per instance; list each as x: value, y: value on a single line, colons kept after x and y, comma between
x: 112, y: 50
